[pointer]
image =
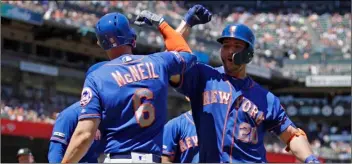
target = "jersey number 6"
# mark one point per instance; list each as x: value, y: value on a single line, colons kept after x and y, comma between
x: 140, y: 108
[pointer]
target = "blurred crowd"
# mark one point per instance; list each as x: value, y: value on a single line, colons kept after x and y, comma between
x: 327, y: 141
x: 23, y: 113
x: 278, y: 34
x: 30, y: 106
x: 332, y: 30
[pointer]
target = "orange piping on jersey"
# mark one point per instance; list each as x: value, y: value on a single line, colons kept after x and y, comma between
x: 233, y: 137
x: 173, y: 40
x: 227, y: 114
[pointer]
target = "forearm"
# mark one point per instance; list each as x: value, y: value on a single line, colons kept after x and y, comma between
x: 79, y: 145
x: 173, y: 40
x: 300, y: 148
x: 184, y: 29
x: 167, y: 159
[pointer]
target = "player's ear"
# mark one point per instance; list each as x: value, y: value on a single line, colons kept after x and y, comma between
x: 98, y: 43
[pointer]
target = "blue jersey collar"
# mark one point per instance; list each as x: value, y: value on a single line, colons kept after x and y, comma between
x: 245, y: 83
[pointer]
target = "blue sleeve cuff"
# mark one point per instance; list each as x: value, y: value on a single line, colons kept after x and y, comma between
x: 58, y: 140
x: 167, y: 153
x: 87, y: 116
x: 282, y: 126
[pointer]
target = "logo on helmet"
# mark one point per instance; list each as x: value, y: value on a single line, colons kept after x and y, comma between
x: 233, y: 29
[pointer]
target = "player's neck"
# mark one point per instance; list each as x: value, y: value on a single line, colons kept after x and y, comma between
x: 117, y: 52
x: 239, y: 75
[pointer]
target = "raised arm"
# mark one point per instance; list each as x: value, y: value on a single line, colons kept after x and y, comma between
x: 184, y: 29
x: 173, y: 40
x: 195, y: 15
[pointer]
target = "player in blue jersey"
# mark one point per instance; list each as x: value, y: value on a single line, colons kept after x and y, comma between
x: 64, y: 127
x: 180, y: 141
x: 232, y: 112
x: 127, y: 97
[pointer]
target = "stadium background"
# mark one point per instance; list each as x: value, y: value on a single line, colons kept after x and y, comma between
x: 303, y: 55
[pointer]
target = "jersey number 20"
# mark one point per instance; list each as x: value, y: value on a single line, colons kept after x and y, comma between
x: 140, y: 108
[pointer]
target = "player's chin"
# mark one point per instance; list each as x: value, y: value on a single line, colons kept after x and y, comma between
x: 229, y: 65
x: 233, y: 69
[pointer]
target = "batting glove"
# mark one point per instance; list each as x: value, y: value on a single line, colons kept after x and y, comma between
x: 197, y: 15
x: 149, y: 18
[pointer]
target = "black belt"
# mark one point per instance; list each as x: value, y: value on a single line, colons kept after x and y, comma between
x: 155, y: 158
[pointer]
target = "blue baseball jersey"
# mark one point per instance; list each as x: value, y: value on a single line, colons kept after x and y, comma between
x: 129, y: 95
x: 180, y: 139
x: 63, y: 129
x: 231, y: 115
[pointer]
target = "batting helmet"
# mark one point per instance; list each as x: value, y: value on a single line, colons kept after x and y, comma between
x: 240, y: 32
x: 113, y: 30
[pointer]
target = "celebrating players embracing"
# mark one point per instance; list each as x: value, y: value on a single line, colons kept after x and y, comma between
x: 127, y: 96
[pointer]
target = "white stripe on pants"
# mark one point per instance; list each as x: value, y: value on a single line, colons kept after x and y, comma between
x: 108, y: 160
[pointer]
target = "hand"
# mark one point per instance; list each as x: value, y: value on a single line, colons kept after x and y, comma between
x: 149, y: 18
x: 197, y: 15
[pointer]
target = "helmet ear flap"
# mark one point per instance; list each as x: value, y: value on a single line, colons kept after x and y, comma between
x: 243, y: 57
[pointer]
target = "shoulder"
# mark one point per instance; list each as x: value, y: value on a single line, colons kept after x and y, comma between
x: 183, y: 119
x: 205, y: 66
x: 95, y: 67
x: 206, y: 70
x: 262, y: 95
x: 72, y: 111
x: 175, y: 121
x: 260, y: 90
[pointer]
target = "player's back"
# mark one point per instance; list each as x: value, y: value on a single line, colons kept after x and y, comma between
x: 180, y: 139
x: 133, y: 100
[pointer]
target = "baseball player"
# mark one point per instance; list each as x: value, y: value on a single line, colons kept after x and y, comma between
x: 180, y: 141
x: 64, y: 127
x: 24, y: 155
x: 127, y: 96
x: 230, y: 110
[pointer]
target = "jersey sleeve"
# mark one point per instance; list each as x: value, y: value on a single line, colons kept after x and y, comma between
x: 189, y: 82
x: 90, y: 100
x: 56, y: 152
x: 277, y: 120
x: 64, y: 127
x: 170, y: 138
x: 177, y: 62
